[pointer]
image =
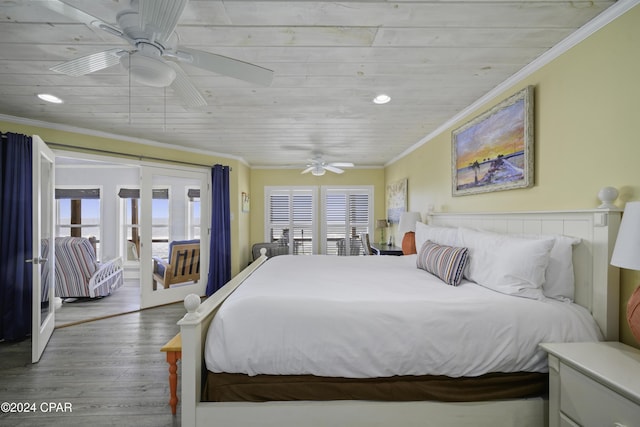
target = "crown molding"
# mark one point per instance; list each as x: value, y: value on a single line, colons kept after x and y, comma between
x: 101, y: 134
x: 606, y: 17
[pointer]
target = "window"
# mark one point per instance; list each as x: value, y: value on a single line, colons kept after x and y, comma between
x: 78, y: 213
x: 347, y: 213
x: 160, y: 222
x: 290, y: 218
x: 130, y: 220
x: 193, y: 214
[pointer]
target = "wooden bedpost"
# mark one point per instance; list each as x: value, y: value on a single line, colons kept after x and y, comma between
x: 191, y: 332
x: 193, y: 329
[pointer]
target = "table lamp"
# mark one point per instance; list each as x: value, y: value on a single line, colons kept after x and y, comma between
x: 626, y: 254
x: 381, y: 224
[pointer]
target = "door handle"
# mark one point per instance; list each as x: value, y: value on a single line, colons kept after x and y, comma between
x: 36, y: 260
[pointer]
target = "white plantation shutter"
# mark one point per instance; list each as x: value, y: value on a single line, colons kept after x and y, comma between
x: 290, y: 217
x: 347, y: 212
x: 303, y: 223
x: 335, y: 204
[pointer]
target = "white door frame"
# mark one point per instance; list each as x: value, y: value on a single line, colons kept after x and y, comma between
x: 43, y: 226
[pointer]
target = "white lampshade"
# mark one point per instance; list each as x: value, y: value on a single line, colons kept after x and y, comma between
x: 408, y: 222
x: 626, y: 253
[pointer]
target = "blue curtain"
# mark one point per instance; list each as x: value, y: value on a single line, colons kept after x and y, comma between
x: 220, y: 253
x: 15, y: 236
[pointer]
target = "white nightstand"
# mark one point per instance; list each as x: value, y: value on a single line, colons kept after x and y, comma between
x: 594, y: 384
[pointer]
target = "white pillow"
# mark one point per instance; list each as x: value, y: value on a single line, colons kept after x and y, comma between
x: 559, y: 278
x: 507, y: 264
x: 446, y: 236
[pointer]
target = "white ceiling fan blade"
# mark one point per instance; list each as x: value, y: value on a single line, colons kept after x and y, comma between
x: 70, y: 11
x: 342, y: 164
x: 333, y: 169
x: 226, y: 66
x: 158, y: 18
x: 185, y: 89
x: 82, y: 16
x: 307, y: 170
x: 90, y: 63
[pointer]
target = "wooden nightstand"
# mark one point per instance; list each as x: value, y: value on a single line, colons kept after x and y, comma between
x: 384, y: 249
x: 593, y: 384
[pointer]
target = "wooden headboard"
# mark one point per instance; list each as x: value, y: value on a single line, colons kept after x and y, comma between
x: 597, y: 282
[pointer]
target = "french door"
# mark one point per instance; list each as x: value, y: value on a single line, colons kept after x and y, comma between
x: 43, y: 261
x: 175, y: 207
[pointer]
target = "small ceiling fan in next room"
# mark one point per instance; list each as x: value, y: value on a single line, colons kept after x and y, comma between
x: 318, y: 167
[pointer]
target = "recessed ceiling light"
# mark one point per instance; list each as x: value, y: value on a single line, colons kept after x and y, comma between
x: 381, y: 99
x: 50, y: 98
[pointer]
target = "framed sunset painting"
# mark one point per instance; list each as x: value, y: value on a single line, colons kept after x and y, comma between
x: 494, y: 151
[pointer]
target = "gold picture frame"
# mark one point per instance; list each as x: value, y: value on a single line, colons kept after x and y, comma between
x: 494, y: 151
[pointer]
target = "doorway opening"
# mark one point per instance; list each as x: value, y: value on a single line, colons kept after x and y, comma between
x: 132, y: 212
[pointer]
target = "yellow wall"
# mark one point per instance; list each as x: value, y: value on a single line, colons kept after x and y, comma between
x: 240, y: 233
x: 586, y: 137
x: 272, y: 177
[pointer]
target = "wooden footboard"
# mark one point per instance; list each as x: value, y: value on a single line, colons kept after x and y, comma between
x: 193, y: 328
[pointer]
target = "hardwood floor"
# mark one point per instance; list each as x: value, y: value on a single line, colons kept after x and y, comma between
x: 123, y: 300
x: 108, y: 372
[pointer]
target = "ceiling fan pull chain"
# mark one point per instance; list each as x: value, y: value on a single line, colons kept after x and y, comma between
x: 129, y: 74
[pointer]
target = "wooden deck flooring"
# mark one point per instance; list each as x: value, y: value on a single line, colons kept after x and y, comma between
x: 123, y: 300
x: 110, y: 372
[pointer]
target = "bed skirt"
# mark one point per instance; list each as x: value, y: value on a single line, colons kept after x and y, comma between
x: 223, y: 387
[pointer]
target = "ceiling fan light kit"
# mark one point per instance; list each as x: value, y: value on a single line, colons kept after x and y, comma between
x: 318, y: 171
x: 147, y: 67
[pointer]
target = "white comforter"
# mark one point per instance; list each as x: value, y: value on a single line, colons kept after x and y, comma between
x: 380, y: 316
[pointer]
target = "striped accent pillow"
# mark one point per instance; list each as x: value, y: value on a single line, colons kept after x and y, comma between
x: 446, y: 262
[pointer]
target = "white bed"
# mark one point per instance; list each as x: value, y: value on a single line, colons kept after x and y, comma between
x: 596, y: 291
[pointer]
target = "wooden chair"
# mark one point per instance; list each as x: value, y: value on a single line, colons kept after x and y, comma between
x: 182, y: 266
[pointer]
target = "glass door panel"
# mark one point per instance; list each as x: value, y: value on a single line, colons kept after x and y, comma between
x: 174, y: 251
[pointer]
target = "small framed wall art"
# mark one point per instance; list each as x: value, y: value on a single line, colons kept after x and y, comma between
x: 245, y: 202
x: 396, y: 200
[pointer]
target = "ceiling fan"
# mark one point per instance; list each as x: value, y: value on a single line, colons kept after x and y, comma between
x: 148, y: 26
x: 318, y: 167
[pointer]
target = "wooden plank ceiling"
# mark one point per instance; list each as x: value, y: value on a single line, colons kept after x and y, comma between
x: 434, y: 58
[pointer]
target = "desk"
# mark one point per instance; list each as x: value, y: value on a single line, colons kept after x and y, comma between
x: 384, y: 249
x: 174, y: 353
